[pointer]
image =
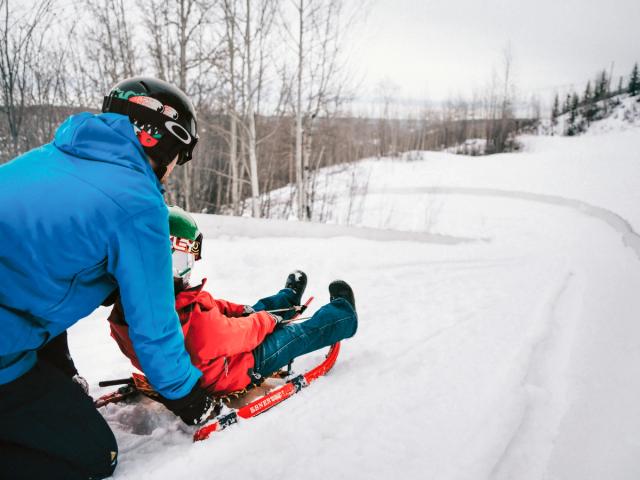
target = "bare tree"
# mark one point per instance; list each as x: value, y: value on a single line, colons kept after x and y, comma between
x: 248, y: 38
x: 108, y: 51
x: 230, y: 21
x: 50, y: 95
x: 316, y: 43
x: 250, y: 109
x: 177, y: 48
x: 387, y: 91
x: 499, y: 104
x: 20, y: 36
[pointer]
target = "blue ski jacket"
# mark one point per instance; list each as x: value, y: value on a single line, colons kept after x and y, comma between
x: 79, y: 217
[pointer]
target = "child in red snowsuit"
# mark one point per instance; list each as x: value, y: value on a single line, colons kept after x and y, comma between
x: 235, y: 345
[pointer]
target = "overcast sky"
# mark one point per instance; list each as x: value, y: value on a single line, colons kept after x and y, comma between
x: 438, y: 48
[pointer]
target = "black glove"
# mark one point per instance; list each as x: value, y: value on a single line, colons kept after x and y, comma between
x: 194, y: 408
x: 81, y: 382
x: 277, y: 318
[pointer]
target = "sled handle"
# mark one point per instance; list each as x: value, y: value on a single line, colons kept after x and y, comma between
x: 119, y: 381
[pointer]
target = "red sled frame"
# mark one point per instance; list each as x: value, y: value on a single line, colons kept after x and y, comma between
x: 271, y: 399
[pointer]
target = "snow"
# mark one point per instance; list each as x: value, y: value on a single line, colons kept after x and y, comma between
x: 624, y: 116
x: 498, y: 334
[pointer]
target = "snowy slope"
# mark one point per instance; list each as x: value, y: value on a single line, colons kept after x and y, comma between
x: 498, y: 333
x: 618, y: 113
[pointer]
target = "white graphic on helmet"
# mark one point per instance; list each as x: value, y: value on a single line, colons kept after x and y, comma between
x: 178, y: 131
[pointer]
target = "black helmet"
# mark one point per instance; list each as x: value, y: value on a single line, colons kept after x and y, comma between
x: 162, y: 115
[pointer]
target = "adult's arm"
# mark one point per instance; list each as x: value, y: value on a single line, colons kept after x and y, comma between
x: 140, y: 260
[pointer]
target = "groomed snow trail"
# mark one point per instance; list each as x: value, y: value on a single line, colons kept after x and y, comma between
x: 515, y: 356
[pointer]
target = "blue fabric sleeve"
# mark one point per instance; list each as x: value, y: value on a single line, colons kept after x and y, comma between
x: 140, y: 261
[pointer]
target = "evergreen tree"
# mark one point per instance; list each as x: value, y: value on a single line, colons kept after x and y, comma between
x: 602, y: 86
x: 555, y: 111
x: 634, y: 81
x: 567, y: 104
x: 590, y: 106
x: 572, y: 127
x: 575, y: 104
x: 587, y: 94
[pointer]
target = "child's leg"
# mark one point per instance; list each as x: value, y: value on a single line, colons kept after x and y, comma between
x: 285, y: 298
x: 333, y: 322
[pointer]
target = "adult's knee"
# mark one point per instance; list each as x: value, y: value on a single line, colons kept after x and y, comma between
x: 106, y: 468
x: 103, y: 459
x: 18, y: 462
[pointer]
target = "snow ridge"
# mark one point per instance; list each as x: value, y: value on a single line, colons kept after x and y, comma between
x: 214, y: 226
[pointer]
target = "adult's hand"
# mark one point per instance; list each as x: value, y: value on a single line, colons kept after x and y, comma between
x: 194, y: 408
x: 81, y: 382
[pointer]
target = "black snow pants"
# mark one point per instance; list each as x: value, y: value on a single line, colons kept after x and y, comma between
x: 49, y: 429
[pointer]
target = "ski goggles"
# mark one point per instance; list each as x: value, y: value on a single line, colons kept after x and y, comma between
x: 182, y: 263
x: 184, y: 254
x: 193, y: 247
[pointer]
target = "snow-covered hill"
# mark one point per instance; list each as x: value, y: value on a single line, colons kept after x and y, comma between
x: 620, y: 112
x: 498, y: 338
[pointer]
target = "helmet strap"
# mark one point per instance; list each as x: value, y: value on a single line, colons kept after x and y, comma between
x: 160, y: 172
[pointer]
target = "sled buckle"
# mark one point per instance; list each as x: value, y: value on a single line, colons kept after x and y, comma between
x: 299, y: 382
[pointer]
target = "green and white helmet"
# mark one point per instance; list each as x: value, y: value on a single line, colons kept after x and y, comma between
x: 186, y: 242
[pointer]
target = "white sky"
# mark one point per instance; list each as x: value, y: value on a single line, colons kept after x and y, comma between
x: 440, y: 48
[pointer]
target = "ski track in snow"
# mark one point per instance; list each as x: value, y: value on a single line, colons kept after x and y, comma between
x: 223, y: 225
x: 541, y: 412
x: 629, y: 237
x: 501, y: 360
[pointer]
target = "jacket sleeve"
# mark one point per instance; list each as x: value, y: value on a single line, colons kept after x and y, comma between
x: 140, y: 260
x: 212, y: 334
x: 230, y: 309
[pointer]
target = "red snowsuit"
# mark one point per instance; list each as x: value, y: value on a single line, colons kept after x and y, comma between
x: 219, y: 340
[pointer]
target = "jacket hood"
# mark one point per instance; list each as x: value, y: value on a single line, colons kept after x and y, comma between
x: 107, y: 137
x: 193, y: 295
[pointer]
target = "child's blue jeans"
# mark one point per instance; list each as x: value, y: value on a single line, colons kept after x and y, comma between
x: 334, y: 321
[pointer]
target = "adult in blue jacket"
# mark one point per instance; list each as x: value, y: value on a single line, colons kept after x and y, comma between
x: 79, y: 218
